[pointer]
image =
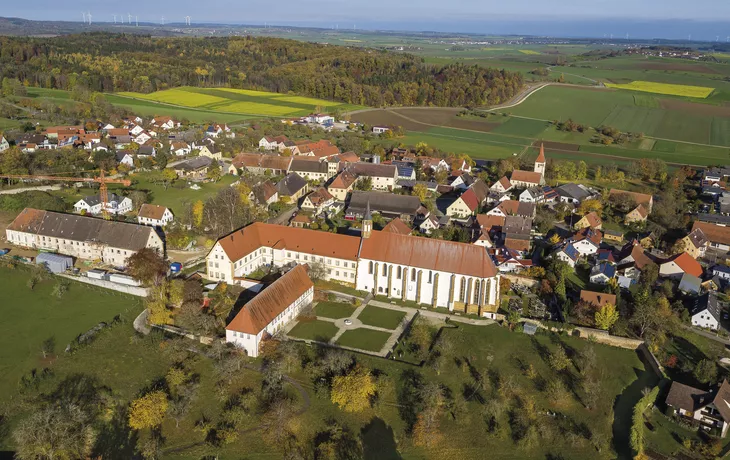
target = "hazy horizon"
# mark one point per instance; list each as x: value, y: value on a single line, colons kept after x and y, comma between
x: 671, y: 19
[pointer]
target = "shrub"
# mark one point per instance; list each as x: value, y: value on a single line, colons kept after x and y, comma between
x: 637, y: 424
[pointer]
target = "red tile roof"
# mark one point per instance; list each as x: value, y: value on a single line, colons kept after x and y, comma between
x: 242, y: 242
x: 526, y: 176
x: 687, y: 264
x: 272, y: 301
x: 343, y: 180
x: 489, y: 222
x: 593, y: 219
x: 429, y: 254
x: 470, y: 199
x: 152, y: 211
x: 541, y: 157
x: 714, y: 233
x: 398, y: 227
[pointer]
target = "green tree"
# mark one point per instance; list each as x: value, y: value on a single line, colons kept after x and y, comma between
x: 558, y: 359
x: 706, y: 371
x: 364, y: 184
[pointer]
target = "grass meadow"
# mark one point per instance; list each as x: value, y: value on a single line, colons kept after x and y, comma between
x: 240, y: 101
x: 127, y: 364
x: 31, y: 316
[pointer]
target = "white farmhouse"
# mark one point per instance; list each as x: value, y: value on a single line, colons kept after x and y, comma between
x: 93, y: 205
x: 4, y: 145
x: 271, y: 310
x: 154, y: 215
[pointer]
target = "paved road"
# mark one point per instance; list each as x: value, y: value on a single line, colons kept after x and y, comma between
x: 41, y: 188
x: 709, y: 335
x: 283, y: 218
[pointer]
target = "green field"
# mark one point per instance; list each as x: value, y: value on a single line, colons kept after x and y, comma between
x: 240, y: 101
x: 678, y: 120
x: 321, y: 331
x: 364, y: 339
x: 381, y: 317
x: 334, y: 310
x: 179, y: 191
x: 128, y: 365
x: 32, y: 316
x: 144, y: 108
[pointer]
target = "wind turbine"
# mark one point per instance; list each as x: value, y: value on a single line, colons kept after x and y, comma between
x: 115, y: 19
x: 89, y: 15
x: 163, y: 20
x: 129, y: 16
x: 83, y: 15
x: 136, y: 21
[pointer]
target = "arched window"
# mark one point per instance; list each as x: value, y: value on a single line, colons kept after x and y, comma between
x: 462, y: 291
x: 400, y: 272
x: 430, y: 277
x: 413, y: 274
x: 385, y: 269
x: 477, y: 291
x: 370, y: 268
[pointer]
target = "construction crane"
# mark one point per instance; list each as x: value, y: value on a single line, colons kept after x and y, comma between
x: 102, y: 180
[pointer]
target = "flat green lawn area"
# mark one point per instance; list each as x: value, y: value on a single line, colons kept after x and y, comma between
x: 321, y: 331
x: 364, y: 339
x: 31, y: 316
x: 179, y: 191
x: 334, y: 310
x: 621, y: 110
x: 456, y: 142
x: 381, y: 317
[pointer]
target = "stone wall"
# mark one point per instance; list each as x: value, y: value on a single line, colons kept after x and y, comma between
x: 132, y: 290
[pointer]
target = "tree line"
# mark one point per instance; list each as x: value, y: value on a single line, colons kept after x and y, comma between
x: 105, y: 62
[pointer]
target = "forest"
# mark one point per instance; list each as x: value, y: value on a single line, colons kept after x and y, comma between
x: 106, y: 62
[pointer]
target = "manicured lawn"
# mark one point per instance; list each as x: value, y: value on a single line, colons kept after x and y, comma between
x: 179, y: 191
x: 381, y: 317
x: 321, y: 331
x: 29, y: 317
x: 364, y: 339
x: 334, y: 310
x: 332, y: 286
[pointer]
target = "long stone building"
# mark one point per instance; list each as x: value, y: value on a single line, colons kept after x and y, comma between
x: 434, y: 272
x: 82, y: 237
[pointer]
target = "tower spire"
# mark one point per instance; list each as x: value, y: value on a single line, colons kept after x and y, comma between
x: 540, y: 162
x: 367, y: 222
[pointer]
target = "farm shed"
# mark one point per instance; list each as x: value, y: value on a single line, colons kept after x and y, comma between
x: 56, y: 263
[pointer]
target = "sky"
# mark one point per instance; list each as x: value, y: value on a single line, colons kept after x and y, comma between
x: 571, y: 17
